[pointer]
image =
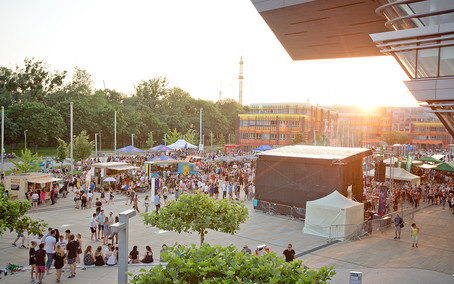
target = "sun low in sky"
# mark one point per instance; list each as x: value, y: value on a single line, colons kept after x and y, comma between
x: 197, y: 45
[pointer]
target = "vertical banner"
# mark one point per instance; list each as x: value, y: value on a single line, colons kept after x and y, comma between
x: 382, y: 200
x: 409, y: 162
x: 152, y: 191
x: 156, y: 185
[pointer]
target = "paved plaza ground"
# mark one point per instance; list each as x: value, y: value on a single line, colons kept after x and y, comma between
x: 381, y: 258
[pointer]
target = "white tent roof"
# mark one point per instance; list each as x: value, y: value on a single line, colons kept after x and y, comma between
x: 334, y: 200
x: 399, y: 174
x: 333, y: 216
x: 180, y: 144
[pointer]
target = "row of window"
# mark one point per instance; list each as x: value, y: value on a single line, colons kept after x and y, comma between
x: 428, y: 63
x: 271, y: 123
x: 280, y: 111
x: 267, y: 136
x: 430, y: 137
x: 428, y: 129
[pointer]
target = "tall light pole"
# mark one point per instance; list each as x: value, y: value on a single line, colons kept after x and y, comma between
x: 201, y: 142
x: 71, y: 133
x: 3, y: 134
x: 25, y: 136
x: 229, y: 138
x: 165, y: 139
x: 96, y: 144
x: 211, y: 134
x: 132, y: 140
x: 115, y: 134
x: 100, y: 141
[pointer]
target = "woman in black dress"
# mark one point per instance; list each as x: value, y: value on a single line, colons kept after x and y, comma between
x: 59, y: 262
x: 32, y: 261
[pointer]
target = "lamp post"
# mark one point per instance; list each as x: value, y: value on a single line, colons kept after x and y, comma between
x: 3, y: 133
x: 25, y: 136
x: 96, y: 144
x: 115, y: 134
x: 71, y: 133
x: 132, y: 140
x: 100, y: 141
x: 201, y: 142
x: 165, y: 139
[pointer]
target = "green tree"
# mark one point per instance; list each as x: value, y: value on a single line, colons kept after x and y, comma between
x: 12, y: 216
x: 230, y: 108
x: 44, y: 124
x: 150, y: 141
x: 299, y: 138
x: 192, y: 136
x: 173, y: 135
x: 395, y: 137
x: 27, y: 162
x: 82, y: 147
x: 228, y: 265
x: 198, y: 213
x: 221, y: 139
x: 62, y: 151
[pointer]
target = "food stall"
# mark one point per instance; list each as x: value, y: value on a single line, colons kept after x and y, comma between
x: 100, y: 171
x: 18, y: 185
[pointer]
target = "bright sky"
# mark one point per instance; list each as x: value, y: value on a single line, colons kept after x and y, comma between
x: 197, y: 45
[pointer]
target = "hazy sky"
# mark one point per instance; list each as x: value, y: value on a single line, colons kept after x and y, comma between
x: 197, y: 45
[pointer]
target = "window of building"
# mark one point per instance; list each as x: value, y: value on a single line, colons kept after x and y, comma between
x: 427, y: 63
x: 447, y: 61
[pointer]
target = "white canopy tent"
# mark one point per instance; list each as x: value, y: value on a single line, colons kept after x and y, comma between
x: 399, y: 174
x: 333, y: 209
x: 181, y: 144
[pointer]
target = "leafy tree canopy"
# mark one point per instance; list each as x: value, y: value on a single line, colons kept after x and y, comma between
x: 228, y: 265
x: 198, y: 213
x: 27, y: 163
x: 395, y: 137
x: 62, y: 151
x: 82, y: 147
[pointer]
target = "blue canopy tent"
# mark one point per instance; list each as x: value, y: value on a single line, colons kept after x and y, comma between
x: 130, y: 149
x: 263, y: 148
x: 160, y: 148
x: 162, y: 158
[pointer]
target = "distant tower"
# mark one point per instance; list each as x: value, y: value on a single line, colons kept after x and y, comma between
x: 240, y: 100
x: 220, y: 95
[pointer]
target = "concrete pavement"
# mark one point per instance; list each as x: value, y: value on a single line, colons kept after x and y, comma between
x: 380, y: 257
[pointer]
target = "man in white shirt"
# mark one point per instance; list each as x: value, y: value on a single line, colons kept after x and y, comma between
x: 93, y: 224
x: 49, y: 247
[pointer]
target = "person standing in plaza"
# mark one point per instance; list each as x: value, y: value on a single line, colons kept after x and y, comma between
x: 398, y: 224
x: 157, y: 203
x: 136, y: 205
x: 50, y: 245
x: 41, y: 262
x: 59, y: 261
x: 146, y: 203
x: 100, y: 221
x: 93, y: 226
x: 414, y: 235
x: 71, y: 255
x: 289, y: 253
x: 32, y: 260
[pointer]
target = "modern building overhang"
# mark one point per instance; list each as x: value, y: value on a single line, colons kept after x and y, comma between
x: 323, y: 29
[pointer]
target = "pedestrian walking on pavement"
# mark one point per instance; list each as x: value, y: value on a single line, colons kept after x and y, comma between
x: 414, y: 235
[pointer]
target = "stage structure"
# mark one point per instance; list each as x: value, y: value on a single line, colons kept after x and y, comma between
x: 290, y: 176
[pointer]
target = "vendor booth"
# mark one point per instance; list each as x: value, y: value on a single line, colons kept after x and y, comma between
x: 18, y: 185
x: 322, y: 216
x: 182, y: 144
x: 100, y: 171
